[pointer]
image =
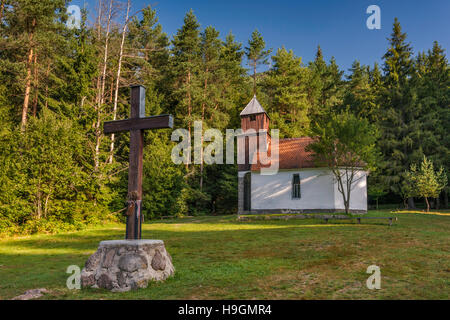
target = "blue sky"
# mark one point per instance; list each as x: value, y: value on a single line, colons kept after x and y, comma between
x: 339, y: 26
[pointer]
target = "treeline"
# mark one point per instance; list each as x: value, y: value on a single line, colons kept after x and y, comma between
x: 58, y: 86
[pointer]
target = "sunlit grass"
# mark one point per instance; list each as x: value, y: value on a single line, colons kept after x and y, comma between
x: 436, y: 213
x: 222, y: 258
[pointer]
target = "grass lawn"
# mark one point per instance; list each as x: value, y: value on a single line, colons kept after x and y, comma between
x: 221, y: 258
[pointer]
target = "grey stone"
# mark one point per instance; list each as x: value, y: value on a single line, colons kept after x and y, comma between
x: 31, y: 294
x: 105, y: 282
x: 121, y: 280
x: 87, y: 279
x: 93, y: 261
x: 158, y: 261
x: 131, y: 262
x: 108, y: 258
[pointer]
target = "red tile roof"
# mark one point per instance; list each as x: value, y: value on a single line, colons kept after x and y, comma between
x: 292, y: 154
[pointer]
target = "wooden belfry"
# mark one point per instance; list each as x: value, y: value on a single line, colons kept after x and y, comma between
x: 136, y: 124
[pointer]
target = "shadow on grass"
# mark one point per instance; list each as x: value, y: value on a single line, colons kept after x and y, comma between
x: 219, y: 255
x: 252, y: 231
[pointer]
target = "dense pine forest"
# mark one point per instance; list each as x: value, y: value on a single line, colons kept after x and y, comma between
x: 58, y: 171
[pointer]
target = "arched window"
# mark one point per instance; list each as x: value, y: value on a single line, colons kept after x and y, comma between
x: 296, y: 186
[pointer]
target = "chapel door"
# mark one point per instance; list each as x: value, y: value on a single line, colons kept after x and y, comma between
x: 247, y: 191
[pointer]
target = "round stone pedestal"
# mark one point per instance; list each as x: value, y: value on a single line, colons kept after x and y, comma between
x: 123, y: 265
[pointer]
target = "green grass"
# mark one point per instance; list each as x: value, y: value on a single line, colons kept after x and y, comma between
x: 221, y: 258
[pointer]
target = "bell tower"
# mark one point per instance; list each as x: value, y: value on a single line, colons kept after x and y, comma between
x: 252, y: 117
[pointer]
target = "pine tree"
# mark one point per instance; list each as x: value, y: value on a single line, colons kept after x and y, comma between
x: 33, y: 29
x: 286, y: 84
x: 210, y: 49
x: 326, y: 87
x: 256, y: 55
x: 185, y: 68
x: 361, y: 96
x: 234, y: 87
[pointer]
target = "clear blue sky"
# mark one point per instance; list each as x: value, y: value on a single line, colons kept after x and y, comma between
x: 339, y: 26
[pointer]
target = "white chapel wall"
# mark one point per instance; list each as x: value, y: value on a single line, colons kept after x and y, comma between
x: 275, y: 191
x: 318, y: 191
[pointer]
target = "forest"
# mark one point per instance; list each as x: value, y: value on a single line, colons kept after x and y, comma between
x: 58, y: 85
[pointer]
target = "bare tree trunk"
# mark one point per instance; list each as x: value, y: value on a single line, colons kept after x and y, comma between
x: 203, y: 117
x: 46, y: 205
x: 101, y: 95
x: 116, y: 94
x: 411, y: 204
x: 39, y: 206
x: 428, y: 204
x: 189, y: 100
x: 111, y: 91
x: 99, y: 35
x: 26, y: 99
x: 36, y: 85
x: 338, y: 177
x: 189, y: 108
x: 348, y: 182
x: 2, y: 8
x: 47, y: 74
x: 254, y: 78
x: 445, y: 199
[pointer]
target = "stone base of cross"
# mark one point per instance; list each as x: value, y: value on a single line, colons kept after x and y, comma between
x: 136, y: 124
x: 124, y: 265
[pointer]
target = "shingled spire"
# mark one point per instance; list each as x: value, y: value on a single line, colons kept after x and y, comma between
x: 253, y: 107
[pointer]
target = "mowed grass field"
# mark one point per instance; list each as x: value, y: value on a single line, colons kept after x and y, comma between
x: 221, y: 258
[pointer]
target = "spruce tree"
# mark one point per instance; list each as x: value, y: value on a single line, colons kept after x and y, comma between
x: 399, y: 120
x: 326, y: 87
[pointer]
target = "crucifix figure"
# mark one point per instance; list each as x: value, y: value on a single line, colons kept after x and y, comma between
x: 136, y: 124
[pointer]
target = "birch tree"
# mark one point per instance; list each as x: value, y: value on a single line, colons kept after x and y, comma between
x: 119, y: 69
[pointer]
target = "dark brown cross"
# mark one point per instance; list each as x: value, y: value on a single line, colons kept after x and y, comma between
x: 136, y: 124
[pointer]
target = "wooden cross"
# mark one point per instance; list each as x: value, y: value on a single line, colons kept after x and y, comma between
x: 136, y: 124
